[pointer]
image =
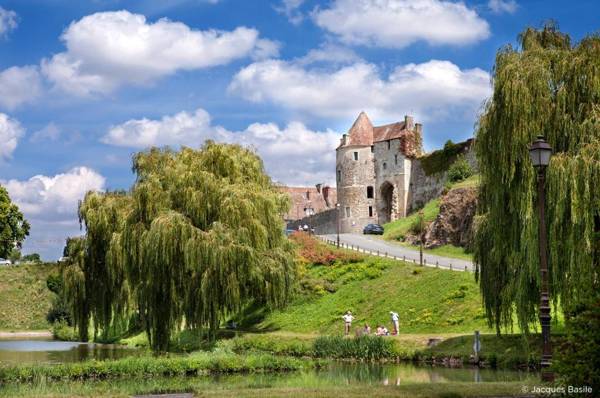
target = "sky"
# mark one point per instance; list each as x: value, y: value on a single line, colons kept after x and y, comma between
x: 86, y: 84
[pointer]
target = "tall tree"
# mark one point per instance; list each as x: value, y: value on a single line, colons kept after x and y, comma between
x: 199, y: 235
x: 13, y: 226
x: 547, y: 86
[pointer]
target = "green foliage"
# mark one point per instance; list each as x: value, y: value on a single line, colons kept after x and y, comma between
x: 293, y: 345
x: 397, y: 230
x: 363, y: 347
x: 13, y: 226
x: 441, y: 160
x: 459, y: 170
x: 191, y: 365
x: 552, y: 88
x: 199, y: 236
x: 32, y: 258
x: 61, y: 330
x: 577, y: 360
x: 15, y: 255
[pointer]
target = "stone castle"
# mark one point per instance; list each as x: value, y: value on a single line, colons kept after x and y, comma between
x: 373, y: 171
x: 379, y: 177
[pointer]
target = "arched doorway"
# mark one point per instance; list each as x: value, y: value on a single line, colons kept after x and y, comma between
x: 387, y: 202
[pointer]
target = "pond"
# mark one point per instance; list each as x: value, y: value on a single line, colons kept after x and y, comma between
x: 13, y: 351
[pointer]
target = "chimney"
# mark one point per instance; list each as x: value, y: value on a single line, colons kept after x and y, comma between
x: 318, y: 186
x: 409, y: 122
x: 418, y: 128
x: 344, y: 140
x: 326, y: 194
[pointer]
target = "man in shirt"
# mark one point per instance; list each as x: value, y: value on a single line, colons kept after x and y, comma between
x: 348, y: 318
x: 395, y: 321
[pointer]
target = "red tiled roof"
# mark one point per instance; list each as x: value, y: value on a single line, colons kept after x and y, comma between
x: 389, y: 131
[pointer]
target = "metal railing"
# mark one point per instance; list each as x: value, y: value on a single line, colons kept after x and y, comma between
x: 379, y: 253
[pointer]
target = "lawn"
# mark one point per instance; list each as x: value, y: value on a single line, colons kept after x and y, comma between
x: 24, y: 297
x: 428, y: 300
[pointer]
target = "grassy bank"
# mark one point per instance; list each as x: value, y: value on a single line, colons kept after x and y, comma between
x: 265, y: 389
x: 24, y: 297
x: 190, y: 365
x: 427, y: 299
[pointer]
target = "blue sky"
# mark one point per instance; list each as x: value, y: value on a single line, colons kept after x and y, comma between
x: 85, y: 84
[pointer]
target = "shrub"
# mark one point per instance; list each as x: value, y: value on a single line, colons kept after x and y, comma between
x: 62, y: 331
x: 363, y: 347
x: 459, y: 170
x: 440, y: 160
x: 577, y: 359
x: 318, y: 253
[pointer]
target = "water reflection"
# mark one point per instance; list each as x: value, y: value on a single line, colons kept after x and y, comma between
x: 50, y: 351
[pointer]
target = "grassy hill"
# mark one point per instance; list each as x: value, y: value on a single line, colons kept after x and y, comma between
x: 395, y: 231
x: 24, y: 297
x: 427, y: 299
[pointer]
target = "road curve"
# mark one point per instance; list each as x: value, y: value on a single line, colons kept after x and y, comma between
x: 375, y: 244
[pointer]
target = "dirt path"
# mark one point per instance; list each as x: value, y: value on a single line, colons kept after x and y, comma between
x: 25, y: 334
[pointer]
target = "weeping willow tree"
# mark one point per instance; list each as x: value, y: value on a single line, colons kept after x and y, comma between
x: 548, y: 86
x: 199, y: 235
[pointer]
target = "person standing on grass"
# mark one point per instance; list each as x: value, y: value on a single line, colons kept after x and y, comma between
x: 395, y: 321
x: 348, y: 318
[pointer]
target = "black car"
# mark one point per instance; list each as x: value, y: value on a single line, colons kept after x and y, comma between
x: 373, y: 229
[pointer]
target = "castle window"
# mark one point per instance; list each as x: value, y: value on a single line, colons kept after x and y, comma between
x: 355, y: 155
x: 347, y: 212
x: 307, y: 195
x: 369, y: 192
x: 389, y: 144
x: 370, y: 211
x: 339, y: 172
x: 384, y: 165
x: 372, y: 148
x: 396, y: 159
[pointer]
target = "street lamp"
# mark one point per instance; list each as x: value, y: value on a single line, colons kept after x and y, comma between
x: 540, y: 152
x: 337, y: 222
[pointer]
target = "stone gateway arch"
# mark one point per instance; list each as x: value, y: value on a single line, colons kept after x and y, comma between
x: 373, y: 171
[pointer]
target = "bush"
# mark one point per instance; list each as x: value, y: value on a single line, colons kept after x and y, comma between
x: 62, y: 331
x: 578, y: 360
x: 318, y: 253
x: 440, y: 160
x: 363, y: 347
x: 460, y: 170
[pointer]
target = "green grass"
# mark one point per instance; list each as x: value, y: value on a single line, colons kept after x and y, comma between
x: 427, y: 299
x: 203, y: 388
x: 24, y: 296
x: 200, y: 363
x: 448, y: 251
x: 471, y: 182
x: 397, y: 230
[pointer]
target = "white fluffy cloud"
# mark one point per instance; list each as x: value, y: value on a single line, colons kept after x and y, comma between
x: 8, y: 21
x: 290, y: 9
x: 293, y: 154
x: 10, y: 133
x: 502, y: 6
x: 399, y: 23
x: 50, y: 206
x: 19, y: 85
x: 108, y: 49
x: 432, y: 90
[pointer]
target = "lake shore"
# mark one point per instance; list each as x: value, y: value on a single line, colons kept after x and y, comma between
x: 23, y: 334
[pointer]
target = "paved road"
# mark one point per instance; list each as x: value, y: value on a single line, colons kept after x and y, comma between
x: 374, y: 244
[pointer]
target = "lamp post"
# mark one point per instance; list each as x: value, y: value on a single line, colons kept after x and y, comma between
x: 540, y: 152
x: 337, y: 222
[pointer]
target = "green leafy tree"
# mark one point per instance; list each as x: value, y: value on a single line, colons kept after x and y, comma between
x: 459, y: 170
x: 13, y: 226
x: 547, y: 86
x: 33, y: 258
x: 199, y: 236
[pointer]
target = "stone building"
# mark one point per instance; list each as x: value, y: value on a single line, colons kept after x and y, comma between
x: 373, y: 171
x: 308, y: 201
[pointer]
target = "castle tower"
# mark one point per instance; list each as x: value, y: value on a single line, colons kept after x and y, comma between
x: 373, y: 171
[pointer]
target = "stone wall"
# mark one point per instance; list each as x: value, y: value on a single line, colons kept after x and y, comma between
x: 391, y: 167
x: 424, y: 188
x: 323, y: 222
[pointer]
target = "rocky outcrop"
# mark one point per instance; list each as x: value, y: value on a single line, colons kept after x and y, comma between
x: 454, y: 223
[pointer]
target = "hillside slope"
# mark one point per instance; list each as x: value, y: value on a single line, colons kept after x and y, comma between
x: 24, y: 297
x: 427, y: 299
